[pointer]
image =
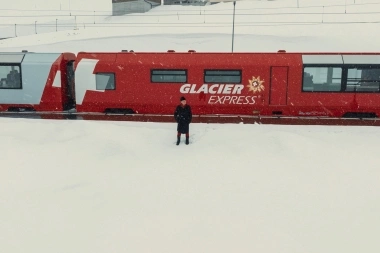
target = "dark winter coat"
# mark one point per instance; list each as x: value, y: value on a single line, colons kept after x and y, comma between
x: 183, y: 116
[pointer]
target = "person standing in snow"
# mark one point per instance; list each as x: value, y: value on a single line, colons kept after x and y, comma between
x: 183, y: 116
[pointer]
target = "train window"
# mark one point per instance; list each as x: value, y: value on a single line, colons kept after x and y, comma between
x: 322, y: 79
x: 363, y: 79
x: 169, y: 76
x: 10, y: 77
x: 222, y: 76
x: 105, y: 81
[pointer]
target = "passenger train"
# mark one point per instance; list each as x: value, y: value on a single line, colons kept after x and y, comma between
x: 220, y: 87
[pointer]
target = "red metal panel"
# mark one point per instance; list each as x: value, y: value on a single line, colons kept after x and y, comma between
x: 279, y: 85
x: 135, y: 90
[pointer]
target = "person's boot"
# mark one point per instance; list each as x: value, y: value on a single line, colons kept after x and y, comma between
x: 187, y: 140
x: 178, y: 140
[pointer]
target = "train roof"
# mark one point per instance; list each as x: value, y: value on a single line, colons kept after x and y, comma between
x: 193, y: 51
x: 304, y: 57
x: 17, y: 57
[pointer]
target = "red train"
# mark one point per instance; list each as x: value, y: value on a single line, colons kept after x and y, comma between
x: 220, y: 87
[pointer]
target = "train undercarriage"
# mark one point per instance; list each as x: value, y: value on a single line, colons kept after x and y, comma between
x: 352, y: 120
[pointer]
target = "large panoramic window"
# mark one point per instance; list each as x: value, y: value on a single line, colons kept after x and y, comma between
x: 10, y: 77
x: 169, y: 76
x: 322, y: 79
x: 222, y: 76
x: 364, y: 79
x: 105, y: 81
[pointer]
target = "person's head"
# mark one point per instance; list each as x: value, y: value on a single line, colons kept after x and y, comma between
x: 183, y: 100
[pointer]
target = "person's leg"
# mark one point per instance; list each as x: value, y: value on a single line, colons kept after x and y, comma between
x: 178, y: 138
x: 187, y: 138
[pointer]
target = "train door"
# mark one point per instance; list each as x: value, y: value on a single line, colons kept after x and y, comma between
x: 278, y: 86
x: 70, y: 89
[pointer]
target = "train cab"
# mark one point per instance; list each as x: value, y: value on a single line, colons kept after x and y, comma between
x: 36, y: 81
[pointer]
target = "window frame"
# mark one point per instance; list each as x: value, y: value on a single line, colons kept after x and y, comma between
x: 165, y: 81
x: 104, y: 73
x: 239, y: 70
x: 344, y: 76
x: 20, y: 74
x: 362, y: 66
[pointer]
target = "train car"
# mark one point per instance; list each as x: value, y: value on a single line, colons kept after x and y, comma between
x: 252, y: 84
x: 342, y: 85
x: 273, y: 85
x: 36, y: 82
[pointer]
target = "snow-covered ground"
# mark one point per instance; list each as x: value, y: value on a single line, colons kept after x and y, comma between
x: 96, y: 187
x: 323, y: 25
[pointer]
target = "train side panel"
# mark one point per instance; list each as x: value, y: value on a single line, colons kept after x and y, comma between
x: 245, y: 89
x: 229, y: 83
x: 95, y: 86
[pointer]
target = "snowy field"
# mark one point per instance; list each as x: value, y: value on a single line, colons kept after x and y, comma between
x: 100, y: 187
x: 323, y: 25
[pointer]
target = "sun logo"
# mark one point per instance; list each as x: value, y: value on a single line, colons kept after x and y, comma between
x: 255, y: 85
